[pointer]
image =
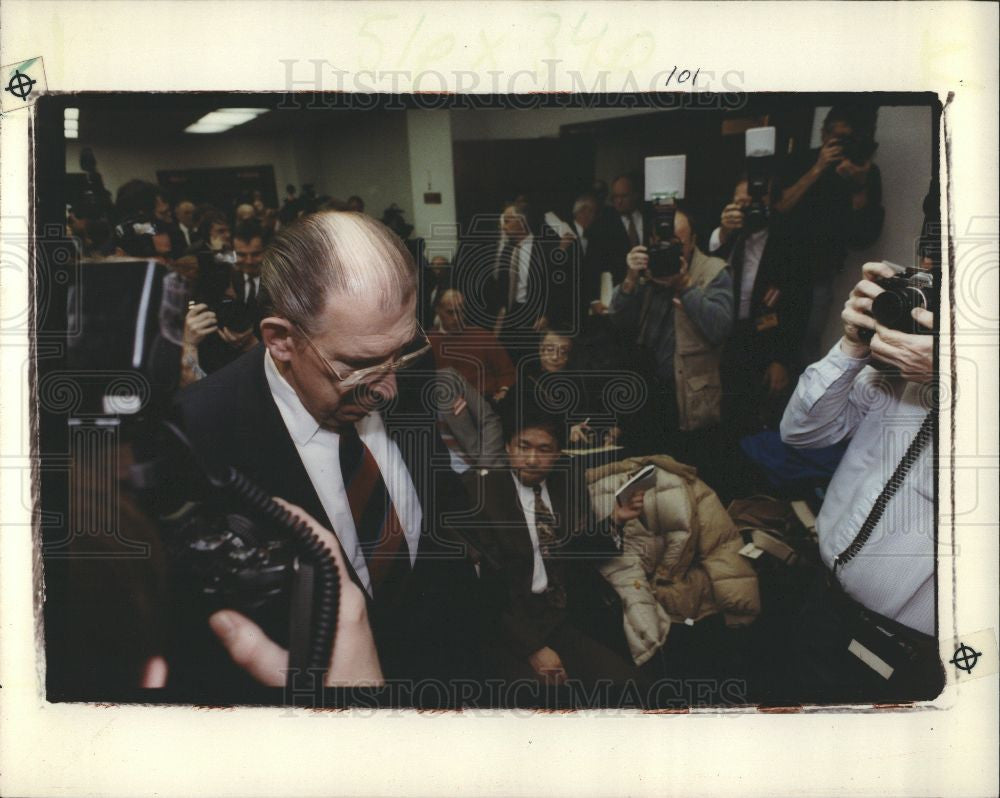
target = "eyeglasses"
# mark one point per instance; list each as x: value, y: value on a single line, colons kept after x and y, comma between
x: 412, y: 351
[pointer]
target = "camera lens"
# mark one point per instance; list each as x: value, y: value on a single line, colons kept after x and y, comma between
x: 892, y: 308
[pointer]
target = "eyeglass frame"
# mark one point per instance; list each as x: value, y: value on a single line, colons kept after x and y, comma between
x: 356, y: 376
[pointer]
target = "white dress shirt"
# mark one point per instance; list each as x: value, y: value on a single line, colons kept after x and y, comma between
x: 842, y: 397
x: 539, y: 578
x: 319, y: 450
x: 246, y: 286
x: 581, y: 236
x: 522, y: 256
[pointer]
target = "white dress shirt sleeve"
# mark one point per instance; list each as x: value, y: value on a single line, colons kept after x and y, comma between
x: 830, y: 401
x: 715, y: 240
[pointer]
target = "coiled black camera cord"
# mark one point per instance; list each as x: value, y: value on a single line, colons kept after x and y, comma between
x: 318, y: 559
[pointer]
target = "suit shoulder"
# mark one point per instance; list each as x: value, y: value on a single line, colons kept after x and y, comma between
x: 214, y: 398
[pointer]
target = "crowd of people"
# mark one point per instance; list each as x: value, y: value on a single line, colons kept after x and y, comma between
x: 492, y: 404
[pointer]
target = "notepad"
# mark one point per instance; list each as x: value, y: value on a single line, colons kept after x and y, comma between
x: 644, y: 479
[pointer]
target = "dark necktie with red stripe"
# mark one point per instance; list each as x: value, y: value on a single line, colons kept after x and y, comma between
x: 380, y: 534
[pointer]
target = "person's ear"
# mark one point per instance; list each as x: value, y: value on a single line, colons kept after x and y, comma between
x: 277, y: 336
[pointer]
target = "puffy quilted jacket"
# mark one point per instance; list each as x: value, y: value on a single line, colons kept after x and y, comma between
x: 681, y: 559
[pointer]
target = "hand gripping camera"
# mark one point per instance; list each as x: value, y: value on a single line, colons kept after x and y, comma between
x: 664, y: 186
x: 216, y: 275
x: 857, y: 148
x: 911, y: 288
x: 234, y: 547
x: 908, y: 289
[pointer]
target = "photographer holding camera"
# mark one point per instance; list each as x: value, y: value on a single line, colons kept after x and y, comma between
x: 761, y: 355
x: 223, y: 317
x: 681, y: 321
x: 867, y: 630
x: 832, y: 199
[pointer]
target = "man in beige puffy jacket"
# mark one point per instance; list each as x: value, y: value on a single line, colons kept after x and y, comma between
x: 685, y: 587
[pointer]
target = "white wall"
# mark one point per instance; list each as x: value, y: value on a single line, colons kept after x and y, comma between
x: 470, y: 125
x: 432, y: 169
x: 904, y: 158
x: 367, y: 155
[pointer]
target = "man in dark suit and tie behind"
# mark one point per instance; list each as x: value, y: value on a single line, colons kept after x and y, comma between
x: 535, y: 285
x: 249, y: 241
x: 615, y: 235
x: 328, y: 414
x: 550, y: 615
x: 771, y: 286
x: 581, y: 251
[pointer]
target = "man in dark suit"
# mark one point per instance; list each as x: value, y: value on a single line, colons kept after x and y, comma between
x: 324, y: 415
x: 583, y: 252
x: 832, y: 201
x: 771, y: 285
x: 550, y: 614
x: 535, y: 285
x: 615, y: 235
x: 249, y: 241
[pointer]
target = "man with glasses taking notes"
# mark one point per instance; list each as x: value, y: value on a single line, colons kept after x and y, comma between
x: 328, y: 414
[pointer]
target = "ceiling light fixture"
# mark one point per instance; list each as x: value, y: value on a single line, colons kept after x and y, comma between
x: 223, y: 119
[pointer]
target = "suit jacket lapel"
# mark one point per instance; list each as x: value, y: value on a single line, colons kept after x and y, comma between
x: 266, y: 442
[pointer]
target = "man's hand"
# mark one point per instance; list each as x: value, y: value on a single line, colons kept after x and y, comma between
x: 857, y: 309
x: 678, y: 283
x: 541, y: 323
x: 199, y: 323
x: 566, y: 240
x: 501, y: 393
x: 546, y: 663
x: 637, y: 261
x: 731, y: 221
x: 598, y: 308
x: 913, y: 355
x: 830, y: 153
x: 353, y: 661
x: 858, y: 175
x: 612, y: 436
x: 580, y: 433
x: 631, y: 511
x: 238, y: 340
x: 776, y: 379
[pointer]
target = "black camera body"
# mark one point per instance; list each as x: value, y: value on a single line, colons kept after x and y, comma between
x: 758, y: 212
x: 134, y: 236
x: 229, y: 559
x: 230, y: 545
x: 215, y: 276
x: 857, y: 149
x: 663, y: 246
x: 912, y: 288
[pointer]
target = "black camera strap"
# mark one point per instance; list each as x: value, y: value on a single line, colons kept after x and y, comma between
x: 916, y: 446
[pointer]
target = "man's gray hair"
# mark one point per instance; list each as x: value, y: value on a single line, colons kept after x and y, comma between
x: 335, y: 253
x: 582, y: 201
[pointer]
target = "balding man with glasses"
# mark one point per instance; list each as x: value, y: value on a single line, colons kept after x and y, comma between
x: 332, y: 413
